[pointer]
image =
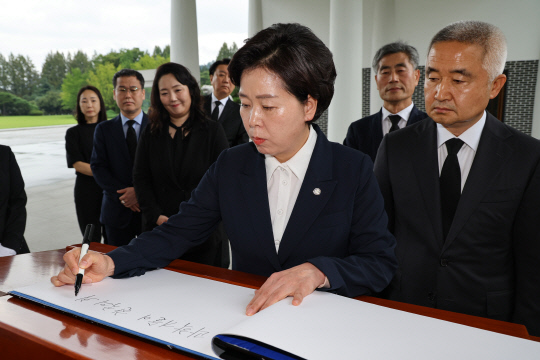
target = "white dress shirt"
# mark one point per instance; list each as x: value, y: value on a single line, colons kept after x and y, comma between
x: 221, y: 107
x: 283, y: 183
x: 471, y: 139
x: 387, y: 124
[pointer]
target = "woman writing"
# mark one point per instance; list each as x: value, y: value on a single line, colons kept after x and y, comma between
x: 79, y: 142
x: 173, y: 155
x: 296, y: 207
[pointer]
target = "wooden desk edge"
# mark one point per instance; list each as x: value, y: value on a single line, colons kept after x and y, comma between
x: 255, y: 281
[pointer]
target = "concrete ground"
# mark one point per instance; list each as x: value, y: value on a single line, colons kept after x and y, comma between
x: 51, y: 219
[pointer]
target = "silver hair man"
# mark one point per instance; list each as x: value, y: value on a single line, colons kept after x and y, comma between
x: 489, y: 37
x: 394, y: 48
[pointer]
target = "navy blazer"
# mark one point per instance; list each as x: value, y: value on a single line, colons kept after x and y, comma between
x: 12, y: 203
x: 342, y: 231
x: 112, y: 168
x: 489, y: 263
x: 366, y: 134
x: 230, y: 120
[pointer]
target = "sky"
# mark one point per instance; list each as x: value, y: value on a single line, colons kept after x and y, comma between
x: 36, y: 27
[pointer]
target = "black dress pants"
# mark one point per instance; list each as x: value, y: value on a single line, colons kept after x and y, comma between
x: 88, y: 196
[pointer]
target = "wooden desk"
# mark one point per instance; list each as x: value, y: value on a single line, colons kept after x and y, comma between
x: 28, y: 330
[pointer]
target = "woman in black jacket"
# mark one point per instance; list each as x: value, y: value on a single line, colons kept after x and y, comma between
x: 79, y: 142
x: 173, y: 154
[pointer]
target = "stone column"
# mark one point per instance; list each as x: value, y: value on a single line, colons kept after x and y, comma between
x: 184, y: 35
x: 346, y: 45
x: 255, y: 23
x: 383, y: 32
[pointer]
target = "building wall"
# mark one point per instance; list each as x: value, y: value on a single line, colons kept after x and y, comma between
x: 416, y: 21
x: 313, y: 14
x: 517, y: 19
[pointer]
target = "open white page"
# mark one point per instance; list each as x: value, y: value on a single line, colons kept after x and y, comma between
x: 170, y: 307
x: 187, y: 311
x: 327, y: 326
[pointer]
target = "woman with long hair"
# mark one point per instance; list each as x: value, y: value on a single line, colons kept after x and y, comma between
x: 79, y: 142
x: 174, y: 153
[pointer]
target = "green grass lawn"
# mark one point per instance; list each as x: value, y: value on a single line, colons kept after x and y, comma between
x: 10, y: 122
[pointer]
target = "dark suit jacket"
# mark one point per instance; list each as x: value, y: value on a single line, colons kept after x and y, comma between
x: 12, y: 203
x: 230, y: 120
x: 366, y: 134
x: 342, y: 231
x: 489, y: 264
x: 113, y: 168
x: 160, y: 189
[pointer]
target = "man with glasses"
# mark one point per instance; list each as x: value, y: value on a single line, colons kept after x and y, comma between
x: 115, y: 142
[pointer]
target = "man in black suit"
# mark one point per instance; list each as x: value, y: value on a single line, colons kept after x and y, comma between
x: 12, y: 205
x: 397, y: 74
x: 462, y: 189
x: 220, y: 107
x: 115, y: 142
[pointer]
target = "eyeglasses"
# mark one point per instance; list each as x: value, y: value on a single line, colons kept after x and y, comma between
x: 132, y: 89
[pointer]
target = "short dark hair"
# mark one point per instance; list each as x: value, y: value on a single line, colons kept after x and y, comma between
x: 394, y: 48
x: 295, y: 54
x: 102, y: 115
x: 128, y: 72
x: 489, y: 37
x: 159, y: 116
x: 214, y: 66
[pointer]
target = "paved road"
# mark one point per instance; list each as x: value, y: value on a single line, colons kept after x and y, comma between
x: 41, y: 155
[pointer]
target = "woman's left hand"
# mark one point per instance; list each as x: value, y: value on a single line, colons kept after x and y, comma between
x: 298, y: 281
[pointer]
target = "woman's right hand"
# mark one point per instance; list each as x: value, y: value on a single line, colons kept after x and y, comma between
x: 162, y: 219
x: 97, y: 266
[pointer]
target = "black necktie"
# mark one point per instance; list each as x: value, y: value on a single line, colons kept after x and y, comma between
x: 395, y: 119
x: 131, y: 139
x: 450, y: 183
x: 215, y: 113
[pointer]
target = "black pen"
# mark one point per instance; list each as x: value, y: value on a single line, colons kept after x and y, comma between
x: 88, y: 232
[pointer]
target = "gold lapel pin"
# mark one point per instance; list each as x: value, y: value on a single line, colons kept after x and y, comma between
x: 317, y: 191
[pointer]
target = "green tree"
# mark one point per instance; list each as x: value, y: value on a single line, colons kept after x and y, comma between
x: 54, y: 69
x: 73, y: 81
x: 111, y: 58
x: 157, y: 51
x: 50, y: 103
x: 102, y: 79
x: 149, y: 62
x: 130, y: 56
x: 4, y: 79
x: 13, y: 105
x: 226, y: 51
x: 125, y: 58
x: 166, y: 52
x: 22, y: 76
x: 205, y: 77
x: 223, y: 52
x: 80, y: 60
